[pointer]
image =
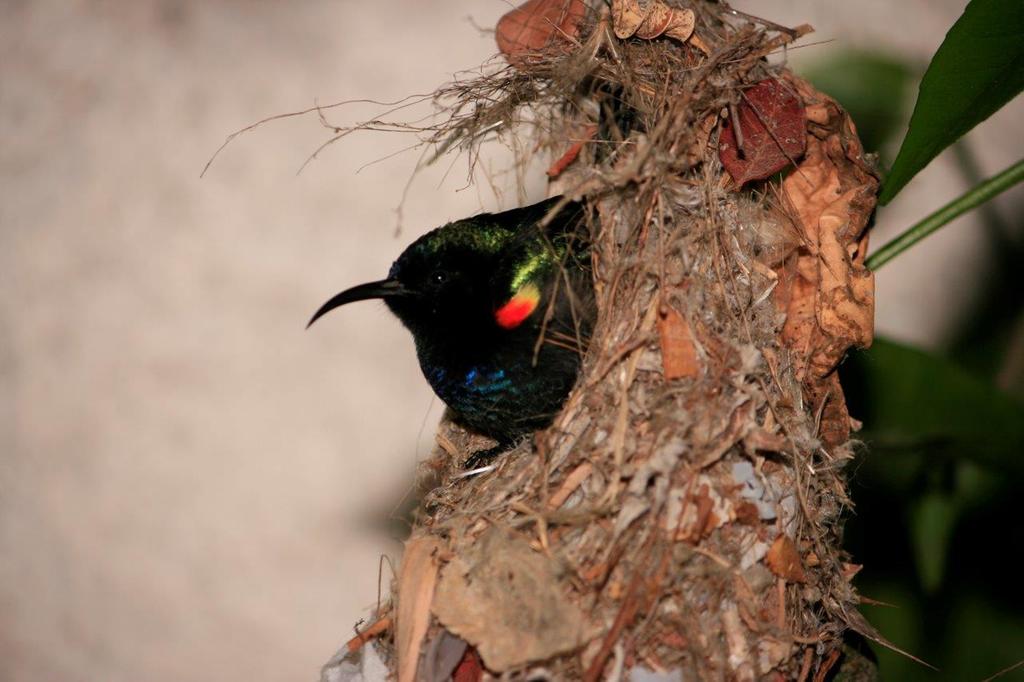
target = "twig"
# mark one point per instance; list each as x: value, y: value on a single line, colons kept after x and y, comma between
x: 975, y: 196
x: 378, y: 628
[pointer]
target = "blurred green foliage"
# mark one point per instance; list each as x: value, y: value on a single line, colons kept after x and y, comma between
x: 913, y: 400
x: 936, y: 523
x: 938, y: 480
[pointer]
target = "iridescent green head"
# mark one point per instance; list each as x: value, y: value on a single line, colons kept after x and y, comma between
x: 475, y: 276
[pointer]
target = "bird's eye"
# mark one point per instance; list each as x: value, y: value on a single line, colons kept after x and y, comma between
x: 439, y: 277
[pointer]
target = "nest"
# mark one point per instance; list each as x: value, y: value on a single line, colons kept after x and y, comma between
x: 684, y: 511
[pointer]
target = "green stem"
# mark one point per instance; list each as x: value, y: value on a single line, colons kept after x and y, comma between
x: 975, y: 196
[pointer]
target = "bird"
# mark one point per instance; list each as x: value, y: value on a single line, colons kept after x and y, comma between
x: 501, y: 307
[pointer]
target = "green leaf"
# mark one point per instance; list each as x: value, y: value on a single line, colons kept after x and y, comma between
x: 912, y: 400
x: 978, y: 68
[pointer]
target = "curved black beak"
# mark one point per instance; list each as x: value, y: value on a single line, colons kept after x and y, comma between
x: 382, y: 289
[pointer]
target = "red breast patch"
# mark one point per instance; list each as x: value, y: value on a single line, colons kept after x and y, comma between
x: 518, y: 308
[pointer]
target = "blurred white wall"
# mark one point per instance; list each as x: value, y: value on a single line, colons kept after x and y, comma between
x: 180, y: 462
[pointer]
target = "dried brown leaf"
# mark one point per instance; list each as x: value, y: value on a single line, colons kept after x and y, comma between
x: 678, y: 352
x: 571, y: 154
x: 505, y: 599
x: 747, y: 514
x: 772, y: 132
x: 824, y: 288
x: 784, y: 561
x: 649, y: 19
x: 538, y: 26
